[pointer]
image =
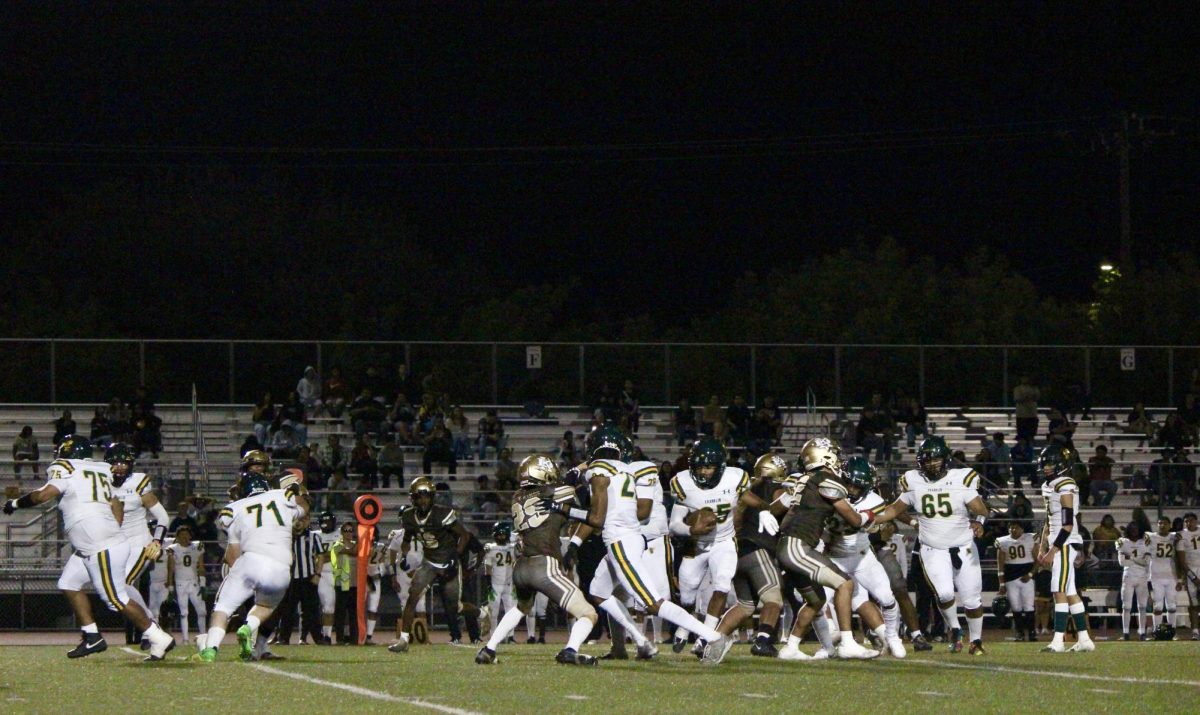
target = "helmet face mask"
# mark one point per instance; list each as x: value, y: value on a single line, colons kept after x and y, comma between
x: 933, y: 458
x: 1054, y: 461
x: 860, y: 475
x: 421, y: 494
x: 607, y: 442
x: 256, y: 461
x: 251, y: 484
x: 327, y: 522
x: 120, y: 459
x: 707, y: 462
x: 501, y: 532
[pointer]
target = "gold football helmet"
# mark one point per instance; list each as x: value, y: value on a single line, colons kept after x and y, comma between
x: 537, y: 470
x: 771, y: 466
x: 256, y: 458
x: 821, y: 452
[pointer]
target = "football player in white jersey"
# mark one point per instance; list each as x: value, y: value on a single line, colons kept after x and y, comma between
x: 659, y: 559
x: 950, y: 515
x: 259, y: 555
x: 707, y: 485
x: 1163, y: 574
x: 159, y: 591
x: 1187, y: 555
x: 1014, y: 566
x: 618, y: 506
x: 139, y: 505
x: 377, y: 565
x: 92, y: 519
x: 1059, y: 494
x: 402, y: 568
x: 1133, y: 554
x: 498, y: 559
x: 185, y: 572
x: 328, y: 534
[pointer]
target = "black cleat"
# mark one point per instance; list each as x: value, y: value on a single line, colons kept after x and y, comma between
x: 145, y: 644
x: 763, y: 647
x: 569, y: 656
x: 679, y: 645
x: 1125, y: 637
x: 919, y: 643
x: 612, y: 655
x: 956, y: 644
x: 530, y: 640
x: 485, y: 656
x: 89, y: 644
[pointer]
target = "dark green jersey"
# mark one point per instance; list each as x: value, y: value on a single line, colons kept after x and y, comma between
x: 435, y: 531
x: 749, y: 538
x: 813, y: 497
x: 538, y: 530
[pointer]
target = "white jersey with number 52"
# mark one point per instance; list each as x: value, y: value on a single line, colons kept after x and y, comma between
x: 941, y: 506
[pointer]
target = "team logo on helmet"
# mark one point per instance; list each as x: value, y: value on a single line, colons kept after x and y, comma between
x: 771, y: 466
x: 537, y: 470
x: 820, y: 452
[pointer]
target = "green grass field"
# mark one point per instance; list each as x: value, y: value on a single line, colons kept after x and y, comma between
x: 1119, y: 677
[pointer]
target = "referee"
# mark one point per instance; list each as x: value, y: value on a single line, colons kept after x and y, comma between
x: 307, y: 555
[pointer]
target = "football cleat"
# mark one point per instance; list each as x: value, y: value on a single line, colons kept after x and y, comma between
x: 485, y: 656
x: 698, y: 647
x: 849, y: 649
x: 569, y: 656
x: 160, y: 647
x: 245, y: 643
x: 716, y: 651
x: 822, y: 654
x: 615, y: 655
x: 268, y: 655
x: 647, y: 651
x: 1125, y: 637
x: 208, y: 655
x: 764, y: 648
x: 1053, y: 647
x: 976, y: 648
x: 793, y: 653
x: 1143, y: 636
x: 1196, y: 635
x: 400, y: 646
x: 919, y: 644
x: 89, y: 644
x: 1086, y: 646
x: 530, y: 640
x: 876, y: 642
x: 956, y: 645
x: 895, y: 647
x: 1031, y: 637
x: 679, y: 645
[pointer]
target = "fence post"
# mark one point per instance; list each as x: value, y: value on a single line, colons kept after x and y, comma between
x: 582, y: 380
x: 753, y: 376
x: 495, y: 374
x: 666, y: 374
x: 232, y: 398
x: 53, y: 385
x: 921, y: 373
x: 141, y: 362
x: 837, y: 375
x: 1004, y: 380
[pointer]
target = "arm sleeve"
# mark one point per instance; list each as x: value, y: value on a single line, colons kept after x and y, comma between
x: 678, y: 513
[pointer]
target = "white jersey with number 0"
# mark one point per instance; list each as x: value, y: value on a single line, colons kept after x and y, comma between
x: 941, y: 506
x: 1017, y: 552
x: 86, y: 488
x: 185, y: 561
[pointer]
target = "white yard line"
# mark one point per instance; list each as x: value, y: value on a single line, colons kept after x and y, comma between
x: 1059, y: 674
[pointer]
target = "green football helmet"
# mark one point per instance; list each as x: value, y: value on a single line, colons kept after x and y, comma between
x: 119, y: 453
x: 933, y: 457
x: 1055, y: 461
x: 859, y: 472
x: 502, y: 531
x: 250, y: 484
x: 707, y: 452
x: 607, y: 442
x: 73, y: 447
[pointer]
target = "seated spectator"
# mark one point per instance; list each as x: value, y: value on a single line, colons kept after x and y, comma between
x: 25, y: 449
x: 1174, y: 433
x: 292, y: 413
x: 872, y: 433
x: 367, y: 414
x: 284, y: 444
x: 427, y: 414
x: 1023, y: 462
x: 308, y: 389
x: 491, y: 433
x: 118, y: 416
x: 184, y: 516
x: 489, y: 507
x: 1104, y: 539
x: 141, y: 400
x: 985, y: 465
x: 709, y: 415
x: 391, y: 463
x: 100, y: 433
x: 737, y: 418
x: 263, y: 417
x: 147, y: 432
x: 631, y: 407
x: 1162, y: 483
x: 1138, y: 422
x: 403, y: 419
x: 442, y: 494
x: 1139, y: 515
x: 506, y: 471
x: 1021, y: 511
x: 1001, y: 455
x: 916, y: 421
x: 1184, y: 474
x: 568, y: 456
x: 762, y: 432
x: 63, y: 427
x: 439, y: 447
x: 606, y: 403
x: 306, y: 458
x: 720, y: 430
x: 1060, y: 429
x: 250, y: 444
x: 1100, y: 481
x: 682, y: 461
x: 336, y: 392
x: 362, y: 462
x: 1189, y: 414
x: 460, y: 432
x: 683, y: 422
x: 334, y: 456
x: 768, y: 404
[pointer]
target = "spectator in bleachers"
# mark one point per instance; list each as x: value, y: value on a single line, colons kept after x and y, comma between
x: 373, y: 381
x: 872, y: 433
x: 309, y: 391
x: 1139, y: 515
x: 1104, y: 539
x: 1161, y: 479
x: 402, y: 382
x: 460, y: 432
x: 1022, y: 462
x: 985, y: 465
x: 1138, y: 422
x: 250, y: 444
x: 439, y: 447
x: 147, y: 432
x: 391, y: 463
x: 63, y: 426
x: 263, y: 417
x: 631, y: 406
x: 762, y: 432
x: 427, y: 415
x: 1174, y: 433
x: 292, y: 413
x: 100, y: 433
x: 362, y: 460
x: 1025, y: 397
x: 1190, y: 414
x: 681, y: 462
x: 333, y: 459
x: 141, y: 400
x: 491, y: 433
x: 683, y: 422
x: 737, y: 418
x: 1002, y: 456
x: 709, y: 415
x: 336, y: 392
x: 506, y: 471
x: 367, y: 414
x: 916, y: 421
x: 776, y: 419
x: 308, y: 461
x: 1060, y: 429
x: 720, y: 430
x: 1100, y: 481
x: 568, y: 455
x: 1185, y: 475
x: 118, y: 416
x: 25, y: 449
x: 403, y: 419
x: 183, y: 517
x: 607, y: 404
x: 283, y: 443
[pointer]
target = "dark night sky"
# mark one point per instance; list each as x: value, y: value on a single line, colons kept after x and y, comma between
x: 429, y: 82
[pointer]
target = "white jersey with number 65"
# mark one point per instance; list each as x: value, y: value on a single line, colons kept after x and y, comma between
x: 941, y: 506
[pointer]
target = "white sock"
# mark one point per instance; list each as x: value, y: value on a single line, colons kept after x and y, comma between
x: 253, y: 622
x: 821, y: 626
x: 891, y: 621
x: 680, y: 617
x: 502, y: 630
x: 793, y: 642
x: 530, y: 621
x: 880, y: 632
x: 579, y: 633
x: 183, y: 625
x: 370, y: 627
x: 404, y: 636
x: 615, y: 608
x: 681, y: 633
x: 1125, y: 622
x: 91, y: 628
x: 655, y: 627
x: 202, y: 620
x: 215, y: 636
x: 327, y: 631
x: 711, y: 621
x: 975, y: 628
x: 847, y: 637
x: 154, y: 632
x: 914, y: 634
x: 950, y: 614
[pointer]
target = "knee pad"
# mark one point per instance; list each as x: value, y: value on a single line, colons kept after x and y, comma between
x: 813, y: 597
x: 771, y: 595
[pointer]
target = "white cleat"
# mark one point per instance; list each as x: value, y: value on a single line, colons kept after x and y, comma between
x: 822, y: 654
x: 851, y: 650
x: 716, y: 651
x: 201, y: 641
x: 896, y: 648
x: 792, y: 653
x: 1083, y: 647
x: 1053, y: 647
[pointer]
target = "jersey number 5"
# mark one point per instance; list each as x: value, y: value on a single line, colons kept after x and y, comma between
x: 942, y: 507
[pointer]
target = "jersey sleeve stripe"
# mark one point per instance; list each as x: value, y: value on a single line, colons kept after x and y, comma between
x: 903, y: 483
x: 677, y: 490
x: 144, y: 485
x: 63, y: 464
x: 744, y: 483
x: 645, y: 472
x: 603, y: 467
x: 1064, y: 484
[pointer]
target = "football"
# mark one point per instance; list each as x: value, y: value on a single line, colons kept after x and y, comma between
x: 705, y: 518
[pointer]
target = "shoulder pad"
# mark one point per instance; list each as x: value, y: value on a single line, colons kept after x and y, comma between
x: 832, y: 489
x: 970, y: 480
x: 677, y: 486
x: 450, y: 518
x: 144, y: 483
x: 603, y: 466
x: 1064, y: 484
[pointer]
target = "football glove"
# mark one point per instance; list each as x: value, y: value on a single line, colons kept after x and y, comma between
x: 767, y: 523
x: 10, y: 506
x: 571, y: 557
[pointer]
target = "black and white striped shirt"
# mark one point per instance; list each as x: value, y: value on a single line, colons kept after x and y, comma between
x: 305, y: 549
